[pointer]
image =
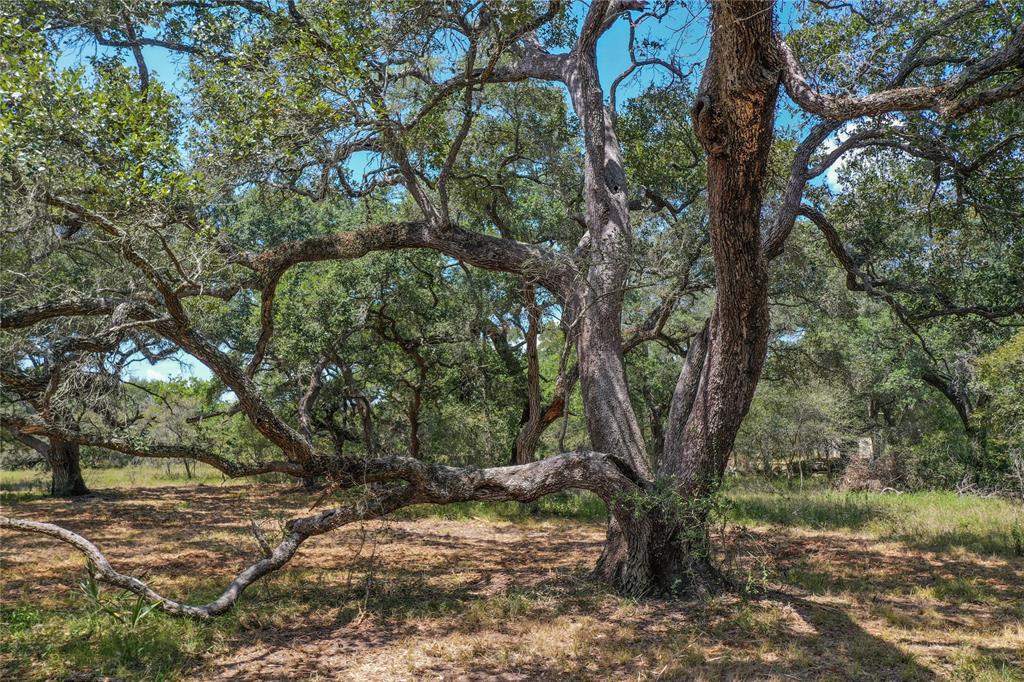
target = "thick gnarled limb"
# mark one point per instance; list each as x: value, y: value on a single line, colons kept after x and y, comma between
x: 410, y: 482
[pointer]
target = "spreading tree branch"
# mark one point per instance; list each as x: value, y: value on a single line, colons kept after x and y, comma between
x: 949, y: 98
x: 426, y: 484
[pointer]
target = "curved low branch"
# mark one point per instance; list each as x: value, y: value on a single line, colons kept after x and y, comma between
x: 280, y: 555
x: 426, y: 483
x: 605, y: 475
x: 298, y: 532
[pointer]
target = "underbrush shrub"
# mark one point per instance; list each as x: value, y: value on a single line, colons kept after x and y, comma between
x: 886, y: 471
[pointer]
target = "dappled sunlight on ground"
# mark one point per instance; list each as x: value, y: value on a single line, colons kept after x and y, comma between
x: 433, y: 598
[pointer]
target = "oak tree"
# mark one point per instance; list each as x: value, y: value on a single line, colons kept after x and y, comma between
x: 487, y: 135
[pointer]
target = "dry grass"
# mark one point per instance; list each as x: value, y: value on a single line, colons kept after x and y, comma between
x: 433, y: 598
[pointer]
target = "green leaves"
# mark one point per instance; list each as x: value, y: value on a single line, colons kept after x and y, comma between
x: 86, y: 129
x: 1001, y: 376
x: 125, y: 608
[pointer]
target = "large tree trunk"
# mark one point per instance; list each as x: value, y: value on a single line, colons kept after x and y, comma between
x: 65, y: 466
x: 596, y: 311
x: 632, y: 557
x: 667, y: 549
x: 659, y: 554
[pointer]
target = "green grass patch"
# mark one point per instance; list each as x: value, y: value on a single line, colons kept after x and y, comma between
x: 959, y: 591
x: 978, y: 665
x: 815, y: 582
x: 24, y: 484
x: 927, y: 520
x: 43, y: 644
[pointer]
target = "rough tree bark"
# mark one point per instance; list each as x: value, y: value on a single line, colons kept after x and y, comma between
x: 64, y: 459
x: 667, y: 549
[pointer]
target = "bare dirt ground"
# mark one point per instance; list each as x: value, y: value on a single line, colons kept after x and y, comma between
x: 440, y: 599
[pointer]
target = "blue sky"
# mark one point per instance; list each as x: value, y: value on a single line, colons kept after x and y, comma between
x: 181, y: 365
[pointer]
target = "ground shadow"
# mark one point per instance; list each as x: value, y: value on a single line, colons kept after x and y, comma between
x: 510, y: 601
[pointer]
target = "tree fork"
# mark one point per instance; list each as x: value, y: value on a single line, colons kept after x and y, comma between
x: 662, y: 552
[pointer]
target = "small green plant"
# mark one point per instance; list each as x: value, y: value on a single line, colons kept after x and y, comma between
x: 758, y: 577
x: 665, y: 503
x: 122, y: 608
